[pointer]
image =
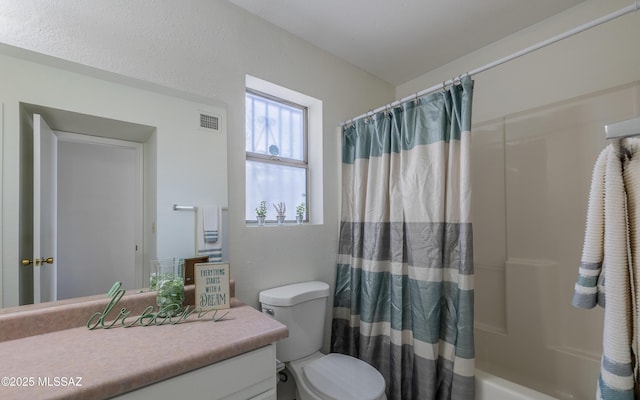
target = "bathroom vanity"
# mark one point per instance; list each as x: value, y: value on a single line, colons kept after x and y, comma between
x: 48, y: 353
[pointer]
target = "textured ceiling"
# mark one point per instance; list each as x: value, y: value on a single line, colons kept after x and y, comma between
x: 399, y: 40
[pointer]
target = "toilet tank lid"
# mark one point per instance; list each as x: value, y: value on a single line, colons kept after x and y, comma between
x: 296, y: 293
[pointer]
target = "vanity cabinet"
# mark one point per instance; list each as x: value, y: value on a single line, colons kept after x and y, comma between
x: 231, y: 359
x: 249, y: 376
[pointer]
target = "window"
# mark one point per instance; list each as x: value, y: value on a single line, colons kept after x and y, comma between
x: 277, y: 168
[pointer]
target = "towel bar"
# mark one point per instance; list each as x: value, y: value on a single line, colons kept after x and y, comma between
x: 184, y: 208
x: 191, y: 208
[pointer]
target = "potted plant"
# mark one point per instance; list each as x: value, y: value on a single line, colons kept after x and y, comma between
x: 261, y: 212
x: 167, y: 280
x: 280, y: 210
x: 300, y: 209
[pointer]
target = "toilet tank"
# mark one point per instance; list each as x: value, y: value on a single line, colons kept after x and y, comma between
x: 301, y: 307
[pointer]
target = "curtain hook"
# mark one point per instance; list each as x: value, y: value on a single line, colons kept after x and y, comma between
x: 368, y: 117
x: 416, y: 100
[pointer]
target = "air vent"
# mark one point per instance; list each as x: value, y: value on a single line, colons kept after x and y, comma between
x: 209, y: 122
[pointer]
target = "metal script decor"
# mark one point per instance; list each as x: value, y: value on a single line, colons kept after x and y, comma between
x: 169, y: 314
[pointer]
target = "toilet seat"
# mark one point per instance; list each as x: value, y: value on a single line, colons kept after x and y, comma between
x: 340, y: 377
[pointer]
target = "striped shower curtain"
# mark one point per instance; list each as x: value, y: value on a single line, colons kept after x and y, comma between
x: 404, y: 285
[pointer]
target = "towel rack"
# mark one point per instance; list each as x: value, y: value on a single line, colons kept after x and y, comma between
x: 620, y: 130
x: 192, y: 208
x: 184, y: 208
x: 623, y: 129
x: 177, y: 207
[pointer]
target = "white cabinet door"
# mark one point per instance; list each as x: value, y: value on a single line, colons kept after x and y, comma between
x: 270, y: 395
x: 249, y: 376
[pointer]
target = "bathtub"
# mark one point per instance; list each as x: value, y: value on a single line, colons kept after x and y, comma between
x: 491, y: 387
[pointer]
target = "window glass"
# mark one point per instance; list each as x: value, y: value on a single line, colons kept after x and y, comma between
x: 276, y: 156
x: 274, y: 128
x: 275, y: 183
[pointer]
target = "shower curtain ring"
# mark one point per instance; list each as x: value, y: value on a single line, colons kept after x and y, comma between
x: 368, y: 117
x: 349, y: 123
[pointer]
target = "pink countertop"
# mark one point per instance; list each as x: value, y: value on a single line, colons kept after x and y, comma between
x: 109, y: 362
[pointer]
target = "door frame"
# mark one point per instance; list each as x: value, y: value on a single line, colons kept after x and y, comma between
x: 45, y: 192
x: 1, y: 202
x: 139, y: 151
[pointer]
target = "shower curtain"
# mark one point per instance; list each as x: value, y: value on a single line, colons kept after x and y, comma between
x: 404, y: 286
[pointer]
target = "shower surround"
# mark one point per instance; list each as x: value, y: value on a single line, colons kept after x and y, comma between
x: 530, y: 175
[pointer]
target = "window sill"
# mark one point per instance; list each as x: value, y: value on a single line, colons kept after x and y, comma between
x: 275, y: 225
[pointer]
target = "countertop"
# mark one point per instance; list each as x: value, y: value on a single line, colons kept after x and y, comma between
x: 109, y: 362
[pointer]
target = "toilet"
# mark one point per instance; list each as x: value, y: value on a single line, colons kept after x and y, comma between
x: 301, y: 307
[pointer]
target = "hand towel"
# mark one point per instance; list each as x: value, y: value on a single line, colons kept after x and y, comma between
x: 211, y: 249
x: 210, y: 218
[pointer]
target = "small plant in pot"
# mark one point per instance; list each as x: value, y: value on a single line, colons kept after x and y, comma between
x: 281, y: 208
x: 300, y: 209
x: 261, y: 212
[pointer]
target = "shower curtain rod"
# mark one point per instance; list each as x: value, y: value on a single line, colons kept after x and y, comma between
x: 598, y: 21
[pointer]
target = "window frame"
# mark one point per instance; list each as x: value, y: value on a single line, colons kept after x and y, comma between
x: 284, y: 161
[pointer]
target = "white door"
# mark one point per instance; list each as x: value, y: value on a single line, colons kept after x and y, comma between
x: 99, y: 214
x: 44, y: 256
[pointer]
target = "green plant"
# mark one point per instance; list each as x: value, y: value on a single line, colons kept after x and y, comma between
x: 261, y: 210
x: 300, y: 209
x: 170, y: 293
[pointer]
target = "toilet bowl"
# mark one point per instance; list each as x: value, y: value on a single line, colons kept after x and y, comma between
x: 301, y: 307
x: 336, y: 377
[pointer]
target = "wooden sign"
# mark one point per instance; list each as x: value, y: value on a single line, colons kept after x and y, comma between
x: 212, y: 286
x: 188, y: 268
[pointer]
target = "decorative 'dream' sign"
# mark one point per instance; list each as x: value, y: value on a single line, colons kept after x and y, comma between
x: 212, y: 286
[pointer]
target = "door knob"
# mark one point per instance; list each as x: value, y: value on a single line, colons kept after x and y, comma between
x: 26, y: 261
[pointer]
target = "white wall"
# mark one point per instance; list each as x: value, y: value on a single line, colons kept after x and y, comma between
x: 206, y: 48
x: 538, y: 127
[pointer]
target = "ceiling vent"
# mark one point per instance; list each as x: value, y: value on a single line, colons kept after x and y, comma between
x: 209, y: 122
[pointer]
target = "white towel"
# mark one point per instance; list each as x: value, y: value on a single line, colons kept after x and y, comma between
x: 211, y: 249
x: 589, y: 289
x: 210, y: 218
x: 632, y: 188
x: 607, y: 261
